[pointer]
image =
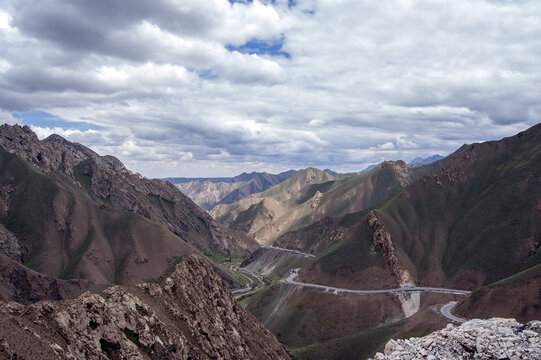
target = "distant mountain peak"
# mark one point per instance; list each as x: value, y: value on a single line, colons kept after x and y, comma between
x: 418, y: 161
x: 330, y: 172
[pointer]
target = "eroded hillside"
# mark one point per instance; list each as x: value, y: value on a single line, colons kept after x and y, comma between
x: 208, y: 193
x: 191, y: 314
x: 311, y: 195
x: 57, y: 167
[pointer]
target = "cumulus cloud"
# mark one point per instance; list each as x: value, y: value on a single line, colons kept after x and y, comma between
x: 189, y: 88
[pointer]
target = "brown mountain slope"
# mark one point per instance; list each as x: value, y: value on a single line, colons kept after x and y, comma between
x: 109, y: 183
x: 21, y: 284
x: 209, y: 192
x: 474, y: 222
x: 274, y: 212
x: 191, y: 315
x: 62, y: 232
x: 55, y: 227
x: 518, y: 296
x: 471, y: 224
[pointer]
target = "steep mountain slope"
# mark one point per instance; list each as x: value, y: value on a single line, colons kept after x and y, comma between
x: 476, y: 221
x: 57, y: 170
x: 260, y: 209
x: 97, y: 221
x: 269, y: 214
x: 208, y: 192
x: 473, y: 224
x: 21, y: 284
x: 190, y: 315
x: 517, y: 296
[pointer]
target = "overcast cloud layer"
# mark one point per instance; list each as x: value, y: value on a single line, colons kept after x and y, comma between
x: 213, y: 88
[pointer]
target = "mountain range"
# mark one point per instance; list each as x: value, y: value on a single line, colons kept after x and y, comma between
x: 470, y: 221
x: 418, y: 161
x: 209, y: 192
x: 311, y: 195
x: 324, y: 263
x: 73, y: 224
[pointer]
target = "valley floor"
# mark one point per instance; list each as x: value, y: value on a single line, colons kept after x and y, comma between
x: 271, y: 292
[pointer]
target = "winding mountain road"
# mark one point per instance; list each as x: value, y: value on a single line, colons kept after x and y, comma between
x: 445, y: 309
x: 291, y: 279
x: 249, y: 288
x: 293, y: 251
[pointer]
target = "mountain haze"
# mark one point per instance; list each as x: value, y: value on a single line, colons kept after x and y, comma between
x: 209, y: 192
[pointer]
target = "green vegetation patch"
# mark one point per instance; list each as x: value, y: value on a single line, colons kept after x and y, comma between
x: 225, y: 262
x: 523, y: 275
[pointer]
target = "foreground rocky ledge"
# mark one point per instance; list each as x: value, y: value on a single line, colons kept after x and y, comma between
x: 190, y: 314
x: 495, y: 338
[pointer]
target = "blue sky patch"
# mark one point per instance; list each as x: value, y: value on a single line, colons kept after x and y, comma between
x: 261, y: 47
x: 44, y: 119
x: 208, y: 74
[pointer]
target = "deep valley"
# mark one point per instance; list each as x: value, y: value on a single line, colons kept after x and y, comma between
x: 317, y: 266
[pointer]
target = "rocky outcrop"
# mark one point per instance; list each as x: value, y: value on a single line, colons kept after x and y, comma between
x: 496, y: 338
x: 411, y: 302
x: 106, y: 179
x: 191, y: 314
x: 9, y: 244
x: 316, y: 199
x: 382, y: 242
x: 399, y: 167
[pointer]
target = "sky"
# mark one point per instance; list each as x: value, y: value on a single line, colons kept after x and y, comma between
x: 214, y: 88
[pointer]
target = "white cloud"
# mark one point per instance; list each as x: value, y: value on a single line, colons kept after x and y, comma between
x: 4, y: 21
x: 386, y: 146
x: 7, y: 118
x: 365, y: 80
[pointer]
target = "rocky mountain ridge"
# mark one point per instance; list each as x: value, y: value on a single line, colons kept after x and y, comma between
x: 107, y: 179
x: 381, y: 241
x: 190, y: 314
x: 23, y: 285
